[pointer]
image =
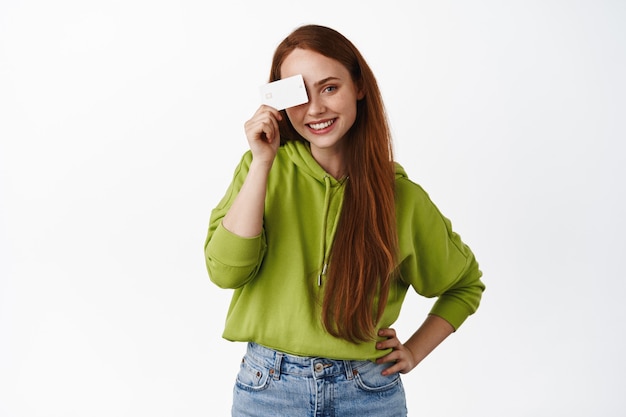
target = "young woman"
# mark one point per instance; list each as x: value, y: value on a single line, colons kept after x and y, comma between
x: 320, y: 234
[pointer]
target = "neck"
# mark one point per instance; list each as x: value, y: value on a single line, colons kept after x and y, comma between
x: 336, y: 168
x: 332, y: 161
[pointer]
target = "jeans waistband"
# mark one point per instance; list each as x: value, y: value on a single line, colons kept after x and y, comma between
x: 305, y: 366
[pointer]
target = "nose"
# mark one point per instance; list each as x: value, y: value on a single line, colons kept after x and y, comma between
x: 316, y: 105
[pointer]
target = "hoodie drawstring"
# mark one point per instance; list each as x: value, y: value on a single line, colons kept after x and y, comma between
x: 325, y: 250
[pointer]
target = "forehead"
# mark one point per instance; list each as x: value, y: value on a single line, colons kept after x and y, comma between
x: 312, y: 65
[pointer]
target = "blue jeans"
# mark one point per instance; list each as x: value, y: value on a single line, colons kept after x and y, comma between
x: 272, y: 383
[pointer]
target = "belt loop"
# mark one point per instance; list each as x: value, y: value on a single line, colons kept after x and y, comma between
x: 347, y: 365
x: 275, y: 371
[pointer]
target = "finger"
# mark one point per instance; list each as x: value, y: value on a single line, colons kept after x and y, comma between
x: 387, y: 332
x: 276, y: 113
x: 265, y: 110
x: 399, y: 363
x: 275, y: 129
x: 398, y: 367
x: 387, y: 344
x: 264, y: 113
x: 266, y: 126
x: 393, y: 356
x: 391, y: 343
x: 261, y: 128
x: 268, y: 129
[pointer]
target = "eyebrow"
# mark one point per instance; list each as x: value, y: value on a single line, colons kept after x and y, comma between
x: 325, y: 80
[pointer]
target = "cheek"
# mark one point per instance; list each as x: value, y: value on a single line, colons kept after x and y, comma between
x: 293, y: 114
x: 296, y: 119
x: 351, y: 111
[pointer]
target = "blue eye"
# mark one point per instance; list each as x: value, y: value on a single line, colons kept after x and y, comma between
x: 330, y: 89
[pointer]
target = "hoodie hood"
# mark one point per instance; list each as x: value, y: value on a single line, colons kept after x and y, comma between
x: 300, y: 153
x: 400, y: 172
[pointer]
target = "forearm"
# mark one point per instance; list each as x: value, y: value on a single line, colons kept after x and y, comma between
x: 245, y: 216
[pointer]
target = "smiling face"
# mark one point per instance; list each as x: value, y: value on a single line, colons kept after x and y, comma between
x: 332, y: 107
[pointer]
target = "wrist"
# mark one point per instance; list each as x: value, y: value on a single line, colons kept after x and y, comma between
x: 259, y: 165
x: 413, y: 354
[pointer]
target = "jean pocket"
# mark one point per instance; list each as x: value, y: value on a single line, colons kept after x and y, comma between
x: 252, y: 376
x: 368, y: 377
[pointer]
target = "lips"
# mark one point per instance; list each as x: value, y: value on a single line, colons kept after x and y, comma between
x: 321, y: 125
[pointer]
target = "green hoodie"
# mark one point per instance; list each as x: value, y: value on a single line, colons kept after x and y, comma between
x: 278, y: 277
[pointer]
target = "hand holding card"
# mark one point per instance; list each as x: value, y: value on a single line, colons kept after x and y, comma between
x: 284, y: 93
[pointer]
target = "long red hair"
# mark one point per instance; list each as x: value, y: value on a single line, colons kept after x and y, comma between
x: 363, y: 255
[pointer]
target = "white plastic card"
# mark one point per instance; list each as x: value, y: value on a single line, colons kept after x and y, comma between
x: 284, y: 93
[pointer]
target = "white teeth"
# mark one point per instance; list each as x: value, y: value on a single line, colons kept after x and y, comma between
x: 319, y: 126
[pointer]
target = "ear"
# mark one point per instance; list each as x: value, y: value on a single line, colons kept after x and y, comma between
x: 360, y: 92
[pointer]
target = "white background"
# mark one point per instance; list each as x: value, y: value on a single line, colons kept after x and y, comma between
x: 121, y: 123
